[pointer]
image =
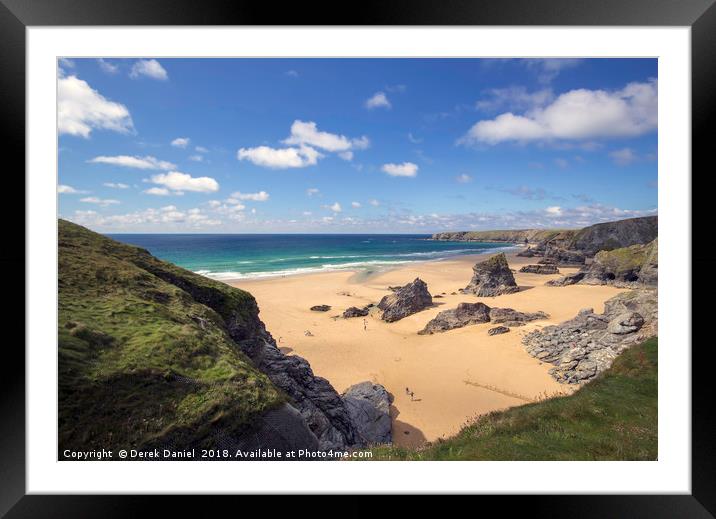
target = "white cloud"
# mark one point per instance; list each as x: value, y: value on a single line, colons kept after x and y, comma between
x: 116, y: 185
x: 107, y: 67
x: 201, y: 149
x: 196, y: 158
x: 261, y: 196
x: 548, y: 69
x: 177, y: 181
x: 154, y: 219
x: 355, y: 204
x: 181, y: 142
x: 69, y: 190
x: 157, y: 191
x: 554, y: 211
x: 576, y: 115
x: 136, y: 162
x: 623, y: 157
x: 150, y: 68
x: 374, y: 202
x: 414, y: 139
x: 81, y: 109
x: 306, y: 133
x: 336, y: 207
x: 463, y: 178
x: 280, y: 158
x: 346, y: 155
x: 312, y: 191
x: 406, y: 169
x: 378, y: 100
x: 104, y: 202
x: 292, y: 73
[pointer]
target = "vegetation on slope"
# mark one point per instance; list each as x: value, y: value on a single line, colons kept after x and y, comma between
x: 508, y: 236
x: 612, y: 418
x: 145, y: 352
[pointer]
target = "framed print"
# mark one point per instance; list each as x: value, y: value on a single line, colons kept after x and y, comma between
x: 416, y: 251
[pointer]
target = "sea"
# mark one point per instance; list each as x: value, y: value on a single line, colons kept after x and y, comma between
x: 245, y: 256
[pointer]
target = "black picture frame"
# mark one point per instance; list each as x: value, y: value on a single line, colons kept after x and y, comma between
x: 17, y: 15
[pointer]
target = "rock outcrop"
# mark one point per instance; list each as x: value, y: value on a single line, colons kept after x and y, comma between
x: 540, y: 269
x: 476, y: 313
x: 559, y: 256
x: 405, y: 301
x: 634, y: 266
x: 463, y: 315
x: 492, y: 277
x: 354, y: 311
x: 615, y: 235
x: 368, y: 406
x: 586, y: 345
x: 320, y: 308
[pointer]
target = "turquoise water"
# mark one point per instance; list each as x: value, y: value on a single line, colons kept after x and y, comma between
x: 235, y: 256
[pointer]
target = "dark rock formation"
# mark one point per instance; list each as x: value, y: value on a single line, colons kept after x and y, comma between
x: 632, y: 266
x: 511, y: 317
x: 320, y: 308
x: 475, y: 313
x: 354, y: 311
x: 540, y: 269
x: 492, y: 277
x: 583, y: 347
x: 406, y: 301
x: 529, y: 252
x: 615, y: 235
x: 559, y: 256
x: 463, y: 315
x: 368, y: 406
x: 497, y: 330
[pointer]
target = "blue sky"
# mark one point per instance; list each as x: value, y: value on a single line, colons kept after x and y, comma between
x: 355, y: 145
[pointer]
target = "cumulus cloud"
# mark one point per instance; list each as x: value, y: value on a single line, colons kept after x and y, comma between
x: 180, y: 182
x: 463, y: 178
x: 103, y: 202
x: 374, y: 202
x: 181, y: 142
x: 576, y: 115
x: 312, y: 191
x: 355, y: 204
x: 147, y: 219
x: 69, y: 190
x: 201, y: 149
x: 553, y: 211
x: 81, y: 109
x: 378, y: 100
x: 513, y: 98
x: 150, y: 68
x: 306, y: 133
x: 261, y: 196
x: 280, y: 158
x: 406, y: 169
x: 135, y: 162
x: 115, y: 185
x: 336, y: 207
x: 623, y: 157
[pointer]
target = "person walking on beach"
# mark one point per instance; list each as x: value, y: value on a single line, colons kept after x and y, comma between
x: 365, y: 325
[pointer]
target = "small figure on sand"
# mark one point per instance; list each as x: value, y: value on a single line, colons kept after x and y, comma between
x: 410, y: 393
x: 308, y: 333
x: 365, y: 325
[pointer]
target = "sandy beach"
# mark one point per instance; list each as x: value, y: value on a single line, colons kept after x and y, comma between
x: 455, y: 375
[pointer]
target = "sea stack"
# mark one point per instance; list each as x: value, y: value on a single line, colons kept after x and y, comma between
x: 406, y: 301
x: 491, y: 278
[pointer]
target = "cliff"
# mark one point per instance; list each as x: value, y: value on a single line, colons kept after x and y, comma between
x: 152, y: 355
x: 506, y: 236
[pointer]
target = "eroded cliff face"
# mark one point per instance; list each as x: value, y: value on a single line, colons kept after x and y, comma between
x: 151, y: 354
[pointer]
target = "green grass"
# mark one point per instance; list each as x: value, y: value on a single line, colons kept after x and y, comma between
x: 612, y: 418
x: 145, y: 355
x: 625, y: 260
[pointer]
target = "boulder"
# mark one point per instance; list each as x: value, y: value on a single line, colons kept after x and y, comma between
x: 637, y: 264
x: 492, y: 277
x: 570, y: 279
x: 463, y: 315
x: 540, y: 269
x: 354, y: 311
x: 406, y: 301
x: 320, y: 308
x: 368, y: 406
x: 628, y: 322
x: 497, y: 330
x: 560, y: 256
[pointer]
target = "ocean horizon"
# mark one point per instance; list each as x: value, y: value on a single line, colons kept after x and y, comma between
x: 249, y: 256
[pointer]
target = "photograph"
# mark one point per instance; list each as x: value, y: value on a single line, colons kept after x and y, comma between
x: 357, y: 259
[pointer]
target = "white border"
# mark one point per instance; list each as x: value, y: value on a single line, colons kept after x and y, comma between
x: 671, y: 474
